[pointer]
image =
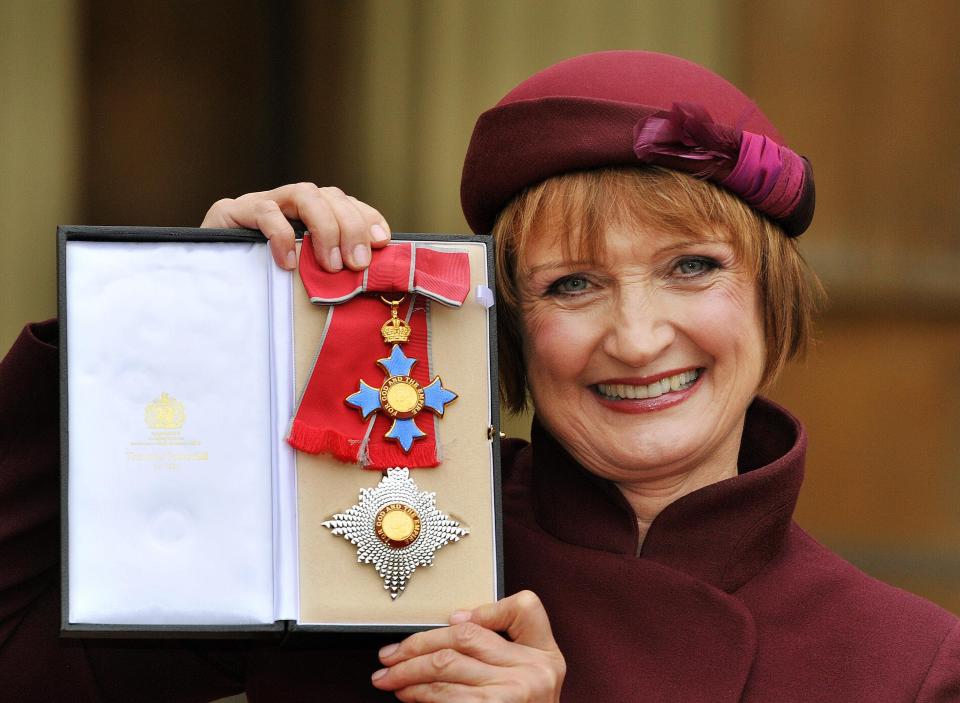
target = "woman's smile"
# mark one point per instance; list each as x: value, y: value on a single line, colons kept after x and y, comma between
x: 645, y: 395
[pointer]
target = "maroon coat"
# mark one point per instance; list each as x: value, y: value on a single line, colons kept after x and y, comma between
x: 728, y: 600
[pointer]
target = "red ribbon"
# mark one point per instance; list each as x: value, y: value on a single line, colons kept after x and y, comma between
x: 352, y: 344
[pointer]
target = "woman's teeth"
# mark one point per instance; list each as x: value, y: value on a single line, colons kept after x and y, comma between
x: 619, y: 391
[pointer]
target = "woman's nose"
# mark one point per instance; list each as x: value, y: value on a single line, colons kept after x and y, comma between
x: 640, y: 329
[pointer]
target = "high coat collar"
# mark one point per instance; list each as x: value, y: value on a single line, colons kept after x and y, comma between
x: 723, y: 533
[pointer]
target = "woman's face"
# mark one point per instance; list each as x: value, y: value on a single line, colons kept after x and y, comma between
x: 642, y: 364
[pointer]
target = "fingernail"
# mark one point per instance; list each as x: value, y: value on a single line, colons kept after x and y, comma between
x: 378, y: 674
x: 361, y: 255
x: 291, y: 260
x: 460, y: 616
x: 378, y: 233
x: 388, y: 650
x: 336, y: 261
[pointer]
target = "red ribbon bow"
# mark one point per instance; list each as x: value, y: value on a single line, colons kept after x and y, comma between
x: 352, y: 344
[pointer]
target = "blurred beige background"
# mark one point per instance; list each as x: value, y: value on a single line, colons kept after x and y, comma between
x: 145, y: 113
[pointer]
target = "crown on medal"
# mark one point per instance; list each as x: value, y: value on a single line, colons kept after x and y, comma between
x: 164, y: 413
x: 395, y: 331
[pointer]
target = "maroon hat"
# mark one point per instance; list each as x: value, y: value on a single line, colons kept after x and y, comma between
x: 617, y: 108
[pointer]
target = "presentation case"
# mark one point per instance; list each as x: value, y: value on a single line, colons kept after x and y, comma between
x: 186, y: 512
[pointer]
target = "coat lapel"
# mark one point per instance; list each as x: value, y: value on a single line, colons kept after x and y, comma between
x: 664, y: 625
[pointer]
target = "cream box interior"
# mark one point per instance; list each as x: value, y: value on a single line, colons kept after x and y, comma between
x: 183, y: 354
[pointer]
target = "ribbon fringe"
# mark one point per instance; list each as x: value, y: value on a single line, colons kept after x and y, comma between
x: 316, y: 441
x: 325, y: 441
x: 386, y: 457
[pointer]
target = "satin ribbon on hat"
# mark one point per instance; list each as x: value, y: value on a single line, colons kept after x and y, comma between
x: 768, y: 176
x: 352, y: 344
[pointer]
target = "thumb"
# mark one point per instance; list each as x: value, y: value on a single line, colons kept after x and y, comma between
x: 521, y: 616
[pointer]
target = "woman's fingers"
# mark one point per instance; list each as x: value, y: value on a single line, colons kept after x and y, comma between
x: 447, y: 665
x: 379, y: 229
x: 528, y: 675
x: 321, y: 222
x: 267, y: 211
x: 342, y: 228
x: 353, y: 232
x: 468, y: 638
x: 271, y: 221
x: 440, y: 692
x: 430, y: 665
x: 521, y: 616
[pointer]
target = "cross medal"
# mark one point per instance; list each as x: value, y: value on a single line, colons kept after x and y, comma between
x: 400, y: 396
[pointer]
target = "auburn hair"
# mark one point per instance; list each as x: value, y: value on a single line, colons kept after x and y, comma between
x: 582, y: 205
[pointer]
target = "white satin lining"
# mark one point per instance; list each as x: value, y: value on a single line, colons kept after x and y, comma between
x: 180, y: 533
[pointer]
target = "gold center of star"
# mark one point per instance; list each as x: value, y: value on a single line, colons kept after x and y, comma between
x: 397, y: 525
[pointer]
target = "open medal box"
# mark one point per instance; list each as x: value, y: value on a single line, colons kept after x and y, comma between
x: 190, y: 365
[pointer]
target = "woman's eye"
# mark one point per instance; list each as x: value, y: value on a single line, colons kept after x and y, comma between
x: 569, y: 285
x: 693, y: 266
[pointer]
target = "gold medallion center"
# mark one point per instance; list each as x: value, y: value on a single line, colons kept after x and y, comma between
x: 401, y: 396
x: 397, y: 525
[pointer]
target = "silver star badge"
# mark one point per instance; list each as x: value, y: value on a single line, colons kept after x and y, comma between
x: 397, y: 528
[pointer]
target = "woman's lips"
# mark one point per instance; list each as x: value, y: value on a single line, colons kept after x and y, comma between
x: 665, y: 391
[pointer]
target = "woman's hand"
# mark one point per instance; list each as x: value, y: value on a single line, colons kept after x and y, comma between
x: 342, y: 229
x: 469, y: 661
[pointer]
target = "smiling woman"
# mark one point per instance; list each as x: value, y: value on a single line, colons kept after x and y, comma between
x: 643, y: 309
